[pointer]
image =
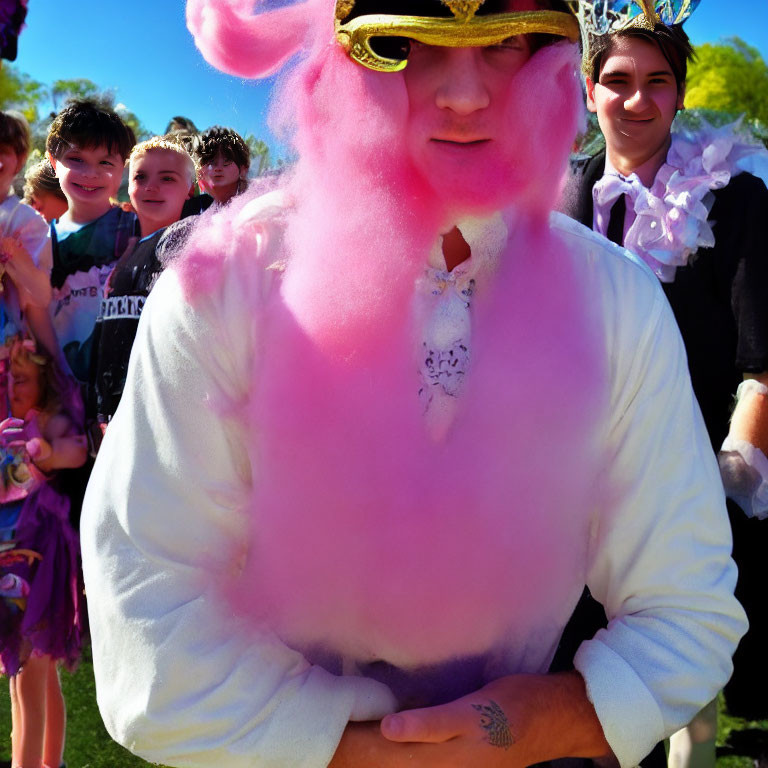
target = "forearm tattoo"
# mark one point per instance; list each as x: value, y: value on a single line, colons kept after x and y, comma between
x: 494, y: 721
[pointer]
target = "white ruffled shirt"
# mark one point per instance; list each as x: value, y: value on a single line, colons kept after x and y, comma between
x: 181, y: 681
x: 443, y: 300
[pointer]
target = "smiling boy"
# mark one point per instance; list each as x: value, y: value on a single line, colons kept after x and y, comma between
x: 636, y: 96
x: 161, y: 179
x: 682, y: 201
x: 87, y: 146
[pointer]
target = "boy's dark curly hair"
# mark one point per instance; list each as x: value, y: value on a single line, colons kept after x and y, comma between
x: 88, y: 123
x: 221, y: 140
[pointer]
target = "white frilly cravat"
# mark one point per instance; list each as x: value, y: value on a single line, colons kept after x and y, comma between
x: 443, y: 301
x: 612, y: 186
x: 671, y: 218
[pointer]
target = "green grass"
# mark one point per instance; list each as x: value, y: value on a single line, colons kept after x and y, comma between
x: 89, y: 745
x: 739, y: 740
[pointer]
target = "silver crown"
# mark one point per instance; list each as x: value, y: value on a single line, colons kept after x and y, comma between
x: 600, y: 17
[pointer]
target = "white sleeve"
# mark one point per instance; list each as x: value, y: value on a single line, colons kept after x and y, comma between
x: 180, y: 680
x: 660, y: 561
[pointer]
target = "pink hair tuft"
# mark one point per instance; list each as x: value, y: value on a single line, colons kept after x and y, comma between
x: 240, y: 42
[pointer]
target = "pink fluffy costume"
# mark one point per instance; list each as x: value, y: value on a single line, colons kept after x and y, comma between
x: 345, y: 479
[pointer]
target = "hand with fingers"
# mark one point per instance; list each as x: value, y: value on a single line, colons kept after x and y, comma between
x: 514, y: 721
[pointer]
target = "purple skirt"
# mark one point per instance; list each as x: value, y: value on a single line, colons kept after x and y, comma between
x: 53, y: 621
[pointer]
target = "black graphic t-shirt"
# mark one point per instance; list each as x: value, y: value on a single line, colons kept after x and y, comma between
x: 128, y: 287
x: 83, y: 258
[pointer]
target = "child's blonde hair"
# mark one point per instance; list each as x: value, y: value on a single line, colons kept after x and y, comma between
x: 167, y: 144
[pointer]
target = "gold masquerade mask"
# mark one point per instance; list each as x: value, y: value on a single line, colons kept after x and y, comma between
x: 464, y: 30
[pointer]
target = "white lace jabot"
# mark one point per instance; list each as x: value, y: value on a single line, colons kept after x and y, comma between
x: 671, y: 218
x: 443, y: 300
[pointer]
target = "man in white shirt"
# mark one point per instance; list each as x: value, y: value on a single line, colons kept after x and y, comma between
x: 384, y: 423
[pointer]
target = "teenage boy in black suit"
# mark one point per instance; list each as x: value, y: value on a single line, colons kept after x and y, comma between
x: 684, y: 204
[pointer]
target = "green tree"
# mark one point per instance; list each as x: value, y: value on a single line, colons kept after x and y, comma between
x: 260, y: 160
x: 729, y: 77
x: 78, y: 88
x: 19, y: 91
x: 82, y: 88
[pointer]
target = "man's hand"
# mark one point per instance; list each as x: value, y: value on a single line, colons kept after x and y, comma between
x: 515, y: 721
x: 511, y: 723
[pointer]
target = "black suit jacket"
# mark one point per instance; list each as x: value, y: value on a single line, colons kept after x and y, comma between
x: 720, y: 299
x: 577, y: 196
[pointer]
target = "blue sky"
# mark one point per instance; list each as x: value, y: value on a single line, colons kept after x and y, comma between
x: 141, y: 49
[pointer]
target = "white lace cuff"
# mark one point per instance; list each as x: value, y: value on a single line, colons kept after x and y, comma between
x: 750, y: 385
x: 744, y: 470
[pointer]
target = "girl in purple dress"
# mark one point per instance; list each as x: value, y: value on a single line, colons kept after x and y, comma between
x: 41, y: 610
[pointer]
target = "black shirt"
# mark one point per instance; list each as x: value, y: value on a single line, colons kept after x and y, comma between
x: 128, y: 288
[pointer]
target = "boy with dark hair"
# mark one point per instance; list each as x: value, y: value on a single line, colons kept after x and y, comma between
x: 684, y: 202
x: 672, y: 42
x: 87, y: 146
x: 222, y: 159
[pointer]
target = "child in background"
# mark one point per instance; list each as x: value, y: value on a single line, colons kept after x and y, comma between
x: 25, y: 255
x: 87, y: 147
x: 161, y: 180
x: 40, y: 617
x: 222, y: 159
x: 42, y: 191
x: 183, y: 130
x: 25, y: 243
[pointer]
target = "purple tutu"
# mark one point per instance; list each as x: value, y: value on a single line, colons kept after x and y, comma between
x: 52, y: 622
